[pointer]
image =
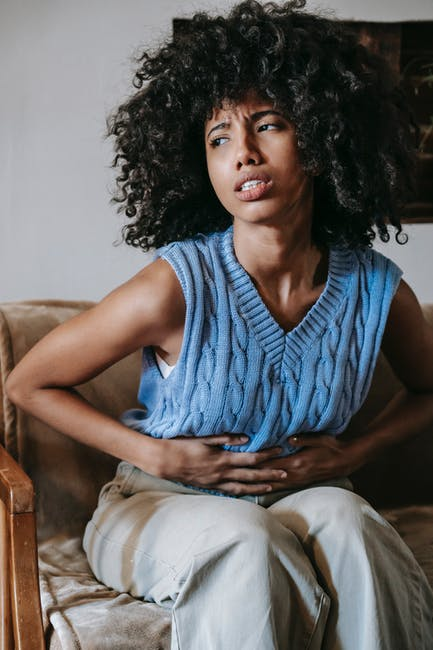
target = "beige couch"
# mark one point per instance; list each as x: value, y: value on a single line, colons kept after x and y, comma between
x: 77, y: 611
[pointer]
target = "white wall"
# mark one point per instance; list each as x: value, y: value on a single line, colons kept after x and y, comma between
x: 63, y: 66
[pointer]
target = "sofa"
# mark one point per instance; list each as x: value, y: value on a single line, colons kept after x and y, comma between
x: 49, y: 486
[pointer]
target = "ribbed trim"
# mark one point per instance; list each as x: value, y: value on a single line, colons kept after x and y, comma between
x: 281, y: 347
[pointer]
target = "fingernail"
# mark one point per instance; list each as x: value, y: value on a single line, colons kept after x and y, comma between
x: 283, y: 474
x: 269, y: 488
x: 294, y: 439
x: 244, y: 438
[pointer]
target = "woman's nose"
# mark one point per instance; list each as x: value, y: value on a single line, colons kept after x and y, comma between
x: 248, y: 153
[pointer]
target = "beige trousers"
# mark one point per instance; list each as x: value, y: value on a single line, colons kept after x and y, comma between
x: 316, y: 568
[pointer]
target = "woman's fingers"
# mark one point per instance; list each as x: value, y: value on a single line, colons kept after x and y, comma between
x: 225, y: 439
x: 251, y: 458
x: 240, y: 458
x: 241, y: 489
x: 203, y: 462
x: 249, y: 475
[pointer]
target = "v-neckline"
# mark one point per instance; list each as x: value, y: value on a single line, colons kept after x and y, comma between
x: 287, y: 347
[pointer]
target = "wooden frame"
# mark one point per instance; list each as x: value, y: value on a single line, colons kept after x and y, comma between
x: 20, y: 605
x: 404, y: 45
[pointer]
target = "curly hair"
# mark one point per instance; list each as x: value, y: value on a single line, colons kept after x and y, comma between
x: 350, y: 118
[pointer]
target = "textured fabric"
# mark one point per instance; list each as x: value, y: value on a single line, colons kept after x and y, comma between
x: 238, y: 371
x: 22, y: 324
x: 80, y: 612
x: 316, y: 569
x: 415, y: 525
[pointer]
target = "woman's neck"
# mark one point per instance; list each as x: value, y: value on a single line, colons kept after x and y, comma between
x: 279, y: 257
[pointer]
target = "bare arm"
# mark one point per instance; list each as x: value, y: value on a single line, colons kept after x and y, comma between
x: 408, y: 346
x: 83, y: 347
x: 147, y: 310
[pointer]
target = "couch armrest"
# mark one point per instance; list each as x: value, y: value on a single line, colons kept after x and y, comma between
x: 16, y: 488
x: 19, y: 589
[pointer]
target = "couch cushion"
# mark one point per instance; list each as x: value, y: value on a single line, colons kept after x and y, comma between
x: 80, y: 612
x: 415, y: 525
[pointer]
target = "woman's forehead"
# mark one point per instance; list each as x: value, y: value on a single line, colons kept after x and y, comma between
x: 250, y: 102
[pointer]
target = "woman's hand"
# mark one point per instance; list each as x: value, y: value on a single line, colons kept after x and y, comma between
x: 202, y: 462
x: 322, y: 457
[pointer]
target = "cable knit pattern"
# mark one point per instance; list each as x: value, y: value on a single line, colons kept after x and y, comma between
x: 238, y: 371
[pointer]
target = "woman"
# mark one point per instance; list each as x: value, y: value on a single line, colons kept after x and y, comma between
x: 283, y: 143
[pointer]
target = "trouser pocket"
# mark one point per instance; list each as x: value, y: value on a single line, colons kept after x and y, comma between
x: 119, y: 486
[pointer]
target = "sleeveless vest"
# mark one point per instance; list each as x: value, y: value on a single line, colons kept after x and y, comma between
x: 239, y: 372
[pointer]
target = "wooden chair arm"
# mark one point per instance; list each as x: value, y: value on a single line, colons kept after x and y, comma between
x: 16, y: 488
x: 20, y: 597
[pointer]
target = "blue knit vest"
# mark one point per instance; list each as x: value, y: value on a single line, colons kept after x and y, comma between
x: 239, y: 372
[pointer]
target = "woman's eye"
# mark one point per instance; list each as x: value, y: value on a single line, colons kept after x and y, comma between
x: 217, y: 142
x: 267, y: 127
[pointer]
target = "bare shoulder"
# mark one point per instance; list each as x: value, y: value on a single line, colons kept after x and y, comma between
x: 154, y: 291
x: 408, y: 341
x: 149, y: 306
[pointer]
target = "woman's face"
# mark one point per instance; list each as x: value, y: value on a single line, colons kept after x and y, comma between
x: 253, y: 162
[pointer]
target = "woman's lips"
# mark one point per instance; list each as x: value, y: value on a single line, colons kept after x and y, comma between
x: 254, y: 193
